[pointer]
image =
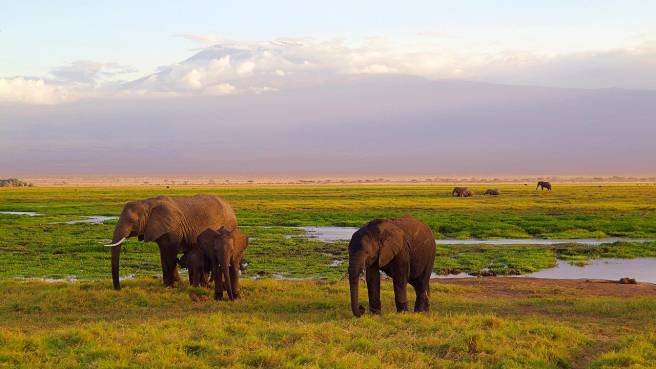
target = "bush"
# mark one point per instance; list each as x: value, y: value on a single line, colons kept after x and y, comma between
x: 14, y: 182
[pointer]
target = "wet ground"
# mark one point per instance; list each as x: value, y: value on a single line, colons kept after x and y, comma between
x: 92, y: 219
x: 332, y: 234
x: 28, y: 213
x: 641, y: 269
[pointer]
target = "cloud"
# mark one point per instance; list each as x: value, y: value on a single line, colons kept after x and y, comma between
x: 34, y: 91
x: 631, y: 68
x: 248, y: 64
x: 80, y: 79
x: 221, y: 89
x: 224, y: 66
x: 89, y: 72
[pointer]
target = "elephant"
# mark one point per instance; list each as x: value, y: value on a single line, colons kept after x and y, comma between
x: 461, y: 192
x: 543, y: 185
x: 492, y: 192
x: 198, y: 267
x: 221, y: 252
x: 173, y: 223
x: 403, y: 248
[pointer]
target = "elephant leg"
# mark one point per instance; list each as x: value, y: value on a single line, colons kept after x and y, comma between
x: 373, y: 289
x: 204, y: 280
x: 168, y: 256
x: 218, y: 281
x: 234, y: 279
x: 421, y: 290
x: 400, y: 294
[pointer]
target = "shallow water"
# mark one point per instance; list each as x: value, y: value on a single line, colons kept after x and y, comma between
x: 68, y: 279
x: 336, y: 263
x: 540, y: 241
x: 332, y: 234
x: 93, y: 219
x: 28, y: 213
x: 642, y: 269
x: 448, y: 276
x: 328, y: 234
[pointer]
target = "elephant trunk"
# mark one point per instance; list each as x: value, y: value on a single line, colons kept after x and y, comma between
x: 226, y: 276
x: 354, y: 280
x: 117, y: 239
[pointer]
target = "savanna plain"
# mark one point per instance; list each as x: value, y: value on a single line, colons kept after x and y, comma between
x: 58, y: 308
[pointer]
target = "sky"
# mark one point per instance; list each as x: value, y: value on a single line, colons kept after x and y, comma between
x: 59, y: 59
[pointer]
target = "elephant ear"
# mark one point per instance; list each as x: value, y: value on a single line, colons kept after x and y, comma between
x: 392, y: 241
x: 163, y: 219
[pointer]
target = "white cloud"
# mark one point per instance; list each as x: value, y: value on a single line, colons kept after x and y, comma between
x: 192, y: 80
x: 221, y: 89
x: 245, y: 68
x: 89, y: 72
x: 240, y: 67
x: 33, y: 91
x: 378, y: 69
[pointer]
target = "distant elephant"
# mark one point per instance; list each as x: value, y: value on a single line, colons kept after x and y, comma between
x: 461, y: 192
x: 403, y: 248
x: 221, y: 252
x: 492, y: 192
x: 174, y: 223
x: 543, y: 185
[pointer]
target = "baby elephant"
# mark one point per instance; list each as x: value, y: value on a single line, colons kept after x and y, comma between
x: 198, y: 266
x: 223, y: 250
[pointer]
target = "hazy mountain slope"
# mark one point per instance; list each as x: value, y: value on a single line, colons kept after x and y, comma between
x: 351, y: 125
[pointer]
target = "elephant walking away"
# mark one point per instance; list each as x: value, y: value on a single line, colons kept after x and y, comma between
x: 173, y: 223
x: 461, y: 192
x: 403, y: 248
x: 543, y: 185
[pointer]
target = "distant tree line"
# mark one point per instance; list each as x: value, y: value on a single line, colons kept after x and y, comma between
x: 14, y: 182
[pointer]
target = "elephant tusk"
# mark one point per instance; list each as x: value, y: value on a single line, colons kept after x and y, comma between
x: 117, y: 243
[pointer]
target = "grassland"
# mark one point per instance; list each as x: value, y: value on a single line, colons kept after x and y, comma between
x: 480, y: 323
x: 40, y: 249
x: 491, y: 323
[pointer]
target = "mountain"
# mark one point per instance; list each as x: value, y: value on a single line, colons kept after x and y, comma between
x: 350, y: 125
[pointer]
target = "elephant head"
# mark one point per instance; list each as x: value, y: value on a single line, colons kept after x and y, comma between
x: 146, y: 219
x: 375, y: 244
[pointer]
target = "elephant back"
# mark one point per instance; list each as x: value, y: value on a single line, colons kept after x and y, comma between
x: 420, y: 241
x: 204, y: 212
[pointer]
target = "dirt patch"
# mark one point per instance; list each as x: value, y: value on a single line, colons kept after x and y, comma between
x: 523, y: 287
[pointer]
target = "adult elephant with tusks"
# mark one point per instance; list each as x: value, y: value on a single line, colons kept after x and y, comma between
x: 173, y: 223
x: 403, y: 248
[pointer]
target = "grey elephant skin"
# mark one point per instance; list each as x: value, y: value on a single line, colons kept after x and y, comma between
x: 403, y: 248
x: 221, y: 253
x: 491, y: 192
x: 543, y: 184
x: 173, y: 223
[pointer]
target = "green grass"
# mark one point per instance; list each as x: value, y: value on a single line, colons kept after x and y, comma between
x: 308, y: 325
x: 39, y: 249
x: 638, y: 351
